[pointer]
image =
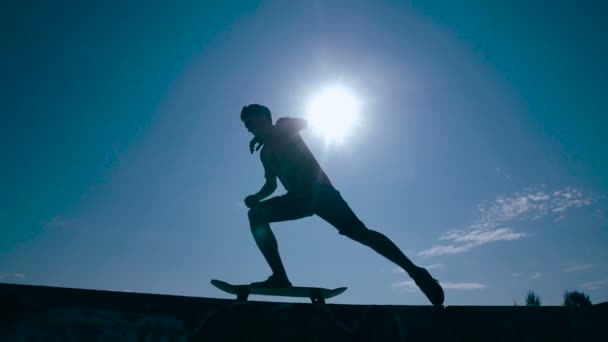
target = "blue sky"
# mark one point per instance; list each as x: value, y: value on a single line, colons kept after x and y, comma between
x: 481, y: 148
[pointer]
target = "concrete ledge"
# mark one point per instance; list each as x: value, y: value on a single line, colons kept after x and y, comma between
x: 41, y: 313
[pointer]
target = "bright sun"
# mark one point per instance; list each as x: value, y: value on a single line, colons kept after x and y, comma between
x: 332, y: 113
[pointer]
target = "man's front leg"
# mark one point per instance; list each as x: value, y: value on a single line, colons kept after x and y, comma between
x: 266, y: 241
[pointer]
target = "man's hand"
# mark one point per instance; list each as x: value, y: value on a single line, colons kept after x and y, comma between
x: 251, y: 201
x: 253, y: 142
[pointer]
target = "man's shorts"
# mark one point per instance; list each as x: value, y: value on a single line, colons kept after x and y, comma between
x: 324, y: 201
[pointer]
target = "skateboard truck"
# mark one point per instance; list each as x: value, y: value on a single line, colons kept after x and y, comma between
x: 317, y: 297
x: 242, y: 294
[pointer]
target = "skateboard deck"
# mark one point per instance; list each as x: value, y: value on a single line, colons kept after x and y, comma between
x: 242, y: 292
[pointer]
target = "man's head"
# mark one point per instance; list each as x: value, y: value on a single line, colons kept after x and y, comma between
x: 257, y: 119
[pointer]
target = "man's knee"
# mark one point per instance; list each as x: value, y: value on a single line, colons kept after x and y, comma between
x: 256, y: 215
x: 357, y: 231
x: 259, y: 225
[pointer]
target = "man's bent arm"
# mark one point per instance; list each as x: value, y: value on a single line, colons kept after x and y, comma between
x: 269, y: 187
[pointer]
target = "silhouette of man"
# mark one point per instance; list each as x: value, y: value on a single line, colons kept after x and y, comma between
x: 285, y: 156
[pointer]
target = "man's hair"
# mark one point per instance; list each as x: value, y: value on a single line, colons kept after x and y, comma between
x: 256, y: 109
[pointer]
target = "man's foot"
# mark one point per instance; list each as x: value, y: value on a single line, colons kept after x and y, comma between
x: 273, y: 281
x: 429, y: 286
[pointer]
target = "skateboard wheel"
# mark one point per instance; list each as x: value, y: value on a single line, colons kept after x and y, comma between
x: 317, y: 300
x: 242, y: 295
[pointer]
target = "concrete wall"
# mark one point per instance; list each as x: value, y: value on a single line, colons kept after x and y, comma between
x: 37, y: 313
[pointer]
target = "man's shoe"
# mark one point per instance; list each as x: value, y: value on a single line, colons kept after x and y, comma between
x: 429, y: 286
x: 273, y: 281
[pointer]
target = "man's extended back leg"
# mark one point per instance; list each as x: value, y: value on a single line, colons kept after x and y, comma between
x: 331, y: 207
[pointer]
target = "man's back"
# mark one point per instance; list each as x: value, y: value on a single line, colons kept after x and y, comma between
x: 286, y: 156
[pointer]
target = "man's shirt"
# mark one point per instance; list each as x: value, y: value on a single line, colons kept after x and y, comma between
x: 286, y: 156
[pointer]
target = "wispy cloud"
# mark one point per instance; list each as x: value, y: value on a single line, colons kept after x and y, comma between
x: 480, y: 236
x: 595, y: 285
x: 446, y: 249
x: 495, y: 218
x: 576, y: 267
x: 536, y: 275
x: 434, y: 266
x: 11, y: 276
x: 411, y: 286
x: 468, y: 239
x: 463, y: 286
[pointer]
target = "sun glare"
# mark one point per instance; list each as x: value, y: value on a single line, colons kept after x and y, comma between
x: 332, y: 113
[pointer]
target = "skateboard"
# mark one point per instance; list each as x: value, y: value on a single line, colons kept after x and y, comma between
x: 316, y: 294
